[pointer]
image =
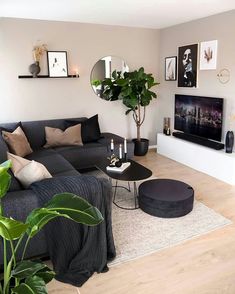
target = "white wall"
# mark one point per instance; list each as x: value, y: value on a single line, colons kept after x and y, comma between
x: 219, y: 27
x: 33, y: 99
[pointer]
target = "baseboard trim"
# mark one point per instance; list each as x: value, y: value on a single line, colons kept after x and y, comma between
x: 152, y: 146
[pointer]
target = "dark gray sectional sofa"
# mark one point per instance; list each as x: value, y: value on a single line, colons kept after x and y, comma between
x: 60, y: 161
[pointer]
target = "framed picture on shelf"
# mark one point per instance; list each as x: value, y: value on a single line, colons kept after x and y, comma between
x: 187, y: 66
x: 57, y: 64
x: 170, y: 68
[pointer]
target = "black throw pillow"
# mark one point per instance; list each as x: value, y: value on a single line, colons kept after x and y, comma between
x: 90, y: 129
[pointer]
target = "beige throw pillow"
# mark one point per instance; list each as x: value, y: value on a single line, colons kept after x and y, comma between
x: 26, y: 171
x: 17, y: 142
x: 57, y: 137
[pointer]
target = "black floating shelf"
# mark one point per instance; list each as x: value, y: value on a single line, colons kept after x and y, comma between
x: 46, y: 77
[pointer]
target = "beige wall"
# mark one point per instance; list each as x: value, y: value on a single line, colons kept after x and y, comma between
x: 219, y: 27
x: 86, y: 43
x: 27, y: 99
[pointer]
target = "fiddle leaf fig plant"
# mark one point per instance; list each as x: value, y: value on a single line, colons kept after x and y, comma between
x: 31, y: 277
x: 133, y: 88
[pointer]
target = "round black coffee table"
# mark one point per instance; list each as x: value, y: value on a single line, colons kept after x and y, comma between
x: 135, y: 172
x: 166, y: 198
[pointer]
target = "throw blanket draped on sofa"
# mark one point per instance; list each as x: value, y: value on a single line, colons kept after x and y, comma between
x: 77, y: 251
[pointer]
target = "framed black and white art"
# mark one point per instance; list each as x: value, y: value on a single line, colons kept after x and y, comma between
x: 170, y: 68
x: 187, y: 66
x: 57, y: 64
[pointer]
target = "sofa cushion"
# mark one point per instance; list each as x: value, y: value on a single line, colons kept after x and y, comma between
x: 35, y: 130
x: 90, y: 128
x: 15, y: 184
x: 9, y: 127
x: 26, y: 171
x: 53, y: 161
x: 72, y: 172
x: 17, y: 142
x: 57, y: 137
x: 83, y: 156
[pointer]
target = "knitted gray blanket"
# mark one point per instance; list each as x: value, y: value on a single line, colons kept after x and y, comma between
x: 76, y: 250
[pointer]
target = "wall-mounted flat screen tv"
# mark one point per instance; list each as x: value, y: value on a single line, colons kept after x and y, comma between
x: 199, y: 116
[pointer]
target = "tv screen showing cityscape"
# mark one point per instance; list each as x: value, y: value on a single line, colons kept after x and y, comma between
x: 199, y: 116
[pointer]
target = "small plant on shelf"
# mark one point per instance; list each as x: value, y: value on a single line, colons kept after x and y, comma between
x: 38, y: 51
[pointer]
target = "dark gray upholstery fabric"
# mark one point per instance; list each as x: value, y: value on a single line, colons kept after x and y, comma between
x: 35, y: 130
x: 55, y: 163
x: 79, y: 250
x: 15, y: 184
x: 18, y: 205
x: 3, y: 150
x: 67, y: 173
x: 83, y: 156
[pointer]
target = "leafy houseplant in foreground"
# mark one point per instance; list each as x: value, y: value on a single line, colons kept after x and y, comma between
x: 133, y: 88
x: 31, y: 277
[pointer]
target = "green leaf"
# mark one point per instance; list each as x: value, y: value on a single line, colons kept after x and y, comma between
x: 32, y: 285
x: 96, y: 83
x: 46, y: 274
x: 27, y: 268
x: 114, y: 74
x: 11, y: 229
x: 5, y: 178
x: 5, y: 165
x: 67, y: 205
x: 122, y: 82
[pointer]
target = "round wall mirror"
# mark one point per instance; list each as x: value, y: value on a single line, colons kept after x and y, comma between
x: 103, y: 69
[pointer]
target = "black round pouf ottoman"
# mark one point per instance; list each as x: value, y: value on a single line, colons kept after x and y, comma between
x: 166, y: 198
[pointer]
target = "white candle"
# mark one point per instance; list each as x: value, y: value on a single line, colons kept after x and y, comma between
x: 112, y: 145
x: 125, y: 146
x: 120, y: 151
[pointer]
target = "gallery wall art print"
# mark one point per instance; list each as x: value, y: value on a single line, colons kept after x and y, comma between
x: 208, y: 55
x: 170, y: 68
x: 187, y: 66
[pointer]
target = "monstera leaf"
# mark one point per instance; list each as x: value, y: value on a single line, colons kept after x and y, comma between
x: 67, y: 205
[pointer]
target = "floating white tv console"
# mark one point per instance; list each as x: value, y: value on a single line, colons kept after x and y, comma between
x: 215, y: 163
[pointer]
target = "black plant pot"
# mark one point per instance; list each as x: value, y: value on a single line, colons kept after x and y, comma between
x: 141, y: 147
x: 229, y: 141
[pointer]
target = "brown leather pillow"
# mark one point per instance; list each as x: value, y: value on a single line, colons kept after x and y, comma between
x: 17, y: 142
x: 57, y: 137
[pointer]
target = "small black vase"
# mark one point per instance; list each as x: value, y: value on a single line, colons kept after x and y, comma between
x: 34, y: 68
x: 229, y: 141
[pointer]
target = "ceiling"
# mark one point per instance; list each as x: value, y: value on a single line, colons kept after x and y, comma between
x: 135, y: 13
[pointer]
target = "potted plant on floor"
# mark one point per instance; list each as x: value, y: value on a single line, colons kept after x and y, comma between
x: 133, y: 88
x: 31, y: 277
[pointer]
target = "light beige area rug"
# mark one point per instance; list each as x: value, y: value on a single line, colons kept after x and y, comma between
x: 137, y: 234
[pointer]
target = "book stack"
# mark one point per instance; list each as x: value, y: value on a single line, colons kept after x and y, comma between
x: 120, y: 169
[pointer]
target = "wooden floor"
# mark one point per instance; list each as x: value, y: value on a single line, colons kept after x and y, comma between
x: 203, y: 265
